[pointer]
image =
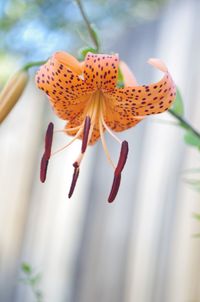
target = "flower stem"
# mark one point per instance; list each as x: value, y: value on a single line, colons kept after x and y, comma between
x: 91, y: 32
x: 184, y: 123
x: 33, y: 64
x: 88, y: 25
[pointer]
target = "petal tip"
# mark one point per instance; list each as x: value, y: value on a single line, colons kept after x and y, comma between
x: 158, y: 64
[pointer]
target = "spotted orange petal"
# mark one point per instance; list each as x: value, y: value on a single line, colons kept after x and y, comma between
x: 69, y: 112
x: 115, y: 122
x: 101, y: 71
x: 129, y: 103
x: 119, y: 121
x: 76, y: 122
x: 128, y: 76
x: 62, y: 81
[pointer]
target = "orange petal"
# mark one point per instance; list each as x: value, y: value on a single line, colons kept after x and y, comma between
x: 118, y: 121
x: 68, y: 112
x: 159, y: 64
x: 115, y: 122
x: 137, y: 101
x: 73, y: 123
x: 65, y: 88
x: 69, y: 61
x: 129, y: 78
x: 101, y: 71
x: 77, y: 121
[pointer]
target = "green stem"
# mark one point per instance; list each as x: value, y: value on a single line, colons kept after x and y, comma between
x: 184, y: 123
x: 33, y: 64
x: 88, y: 25
x: 36, y: 293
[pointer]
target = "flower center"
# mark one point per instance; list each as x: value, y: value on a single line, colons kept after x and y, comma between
x: 95, y: 107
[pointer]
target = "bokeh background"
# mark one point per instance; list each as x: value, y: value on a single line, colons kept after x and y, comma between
x: 140, y: 248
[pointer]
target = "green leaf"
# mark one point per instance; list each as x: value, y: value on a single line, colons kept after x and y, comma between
x: 196, y: 235
x: 178, y: 106
x: 120, y: 80
x: 192, y: 170
x: 194, y: 183
x: 192, y: 139
x: 83, y: 52
x: 26, y: 268
x: 39, y: 294
x: 35, y: 279
x: 196, y: 216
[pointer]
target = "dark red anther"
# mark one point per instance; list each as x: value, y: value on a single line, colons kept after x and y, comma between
x: 74, y: 180
x: 48, y: 140
x: 76, y: 165
x: 115, y: 187
x: 86, y: 131
x: 122, y: 158
x: 43, y: 168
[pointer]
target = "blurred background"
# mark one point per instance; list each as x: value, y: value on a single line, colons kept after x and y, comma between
x: 140, y: 248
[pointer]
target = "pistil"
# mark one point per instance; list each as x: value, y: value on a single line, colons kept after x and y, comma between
x: 87, y: 129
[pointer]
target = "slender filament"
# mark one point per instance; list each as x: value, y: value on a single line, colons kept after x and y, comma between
x: 104, y: 145
x: 68, y: 130
x: 110, y: 131
x: 67, y: 145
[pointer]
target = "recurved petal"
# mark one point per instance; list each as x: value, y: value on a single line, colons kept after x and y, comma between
x: 69, y: 61
x: 101, y: 71
x: 61, y: 80
x: 128, y: 76
x: 137, y: 101
x: 112, y: 116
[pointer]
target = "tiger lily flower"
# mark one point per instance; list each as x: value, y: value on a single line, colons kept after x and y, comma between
x: 85, y: 94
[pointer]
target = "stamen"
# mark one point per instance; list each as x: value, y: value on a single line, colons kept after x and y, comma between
x: 43, y: 168
x: 86, y: 131
x: 115, y: 188
x: 110, y: 131
x: 48, y: 140
x: 67, y: 130
x: 104, y: 145
x: 122, y: 158
x: 75, y: 165
x: 47, y: 152
x: 67, y: 145
x: 74, y: 179
x: 79, y: 158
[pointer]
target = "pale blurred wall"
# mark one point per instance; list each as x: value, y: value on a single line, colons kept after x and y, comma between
x: 138, y: 249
